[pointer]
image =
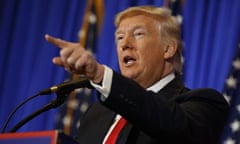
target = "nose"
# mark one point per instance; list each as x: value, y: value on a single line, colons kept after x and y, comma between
x: 126, y: 43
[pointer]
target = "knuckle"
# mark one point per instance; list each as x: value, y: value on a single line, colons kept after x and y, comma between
x: 62, y: 52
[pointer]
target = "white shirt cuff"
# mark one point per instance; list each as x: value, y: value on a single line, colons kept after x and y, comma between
x: 105, y: 88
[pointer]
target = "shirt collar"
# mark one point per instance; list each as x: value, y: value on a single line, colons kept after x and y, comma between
x: 161, y: 83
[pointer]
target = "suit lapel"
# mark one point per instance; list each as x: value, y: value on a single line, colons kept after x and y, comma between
x: 95, y: 124
x: 124, y: 134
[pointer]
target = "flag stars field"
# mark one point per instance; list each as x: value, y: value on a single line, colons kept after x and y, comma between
x: 231, y: 82
x: 235, y: 125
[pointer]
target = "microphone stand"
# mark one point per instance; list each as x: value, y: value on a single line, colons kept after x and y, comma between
x: 53, y: 104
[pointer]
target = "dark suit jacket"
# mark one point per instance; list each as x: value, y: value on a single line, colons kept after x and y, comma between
x: 173, y: 115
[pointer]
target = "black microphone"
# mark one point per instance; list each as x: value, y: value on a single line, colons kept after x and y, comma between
x: 67, y: 87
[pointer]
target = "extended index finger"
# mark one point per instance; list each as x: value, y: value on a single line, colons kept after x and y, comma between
x: 56, y: 41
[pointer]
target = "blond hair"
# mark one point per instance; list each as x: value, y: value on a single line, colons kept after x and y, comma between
x: 170, y: 28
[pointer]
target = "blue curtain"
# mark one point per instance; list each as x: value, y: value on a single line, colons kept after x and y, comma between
x: 211, y: 30
x: 25, y: 56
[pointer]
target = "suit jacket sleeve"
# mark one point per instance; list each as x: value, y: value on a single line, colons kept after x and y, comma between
x: 198, y: 114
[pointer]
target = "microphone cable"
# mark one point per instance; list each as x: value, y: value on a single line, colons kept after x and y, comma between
x: 53, y: 104
x: 14, y: 111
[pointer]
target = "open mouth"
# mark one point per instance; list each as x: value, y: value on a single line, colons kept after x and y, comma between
x: 128, y: 60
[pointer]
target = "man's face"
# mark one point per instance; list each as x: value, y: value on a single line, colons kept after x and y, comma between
x: 140, y: 49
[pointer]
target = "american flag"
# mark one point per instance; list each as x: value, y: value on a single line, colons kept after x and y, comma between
x: 231, y: 92
x: 68, y: 117
x: 231, y: 133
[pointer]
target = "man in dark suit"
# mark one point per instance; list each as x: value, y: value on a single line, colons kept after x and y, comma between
x: 148, y: 96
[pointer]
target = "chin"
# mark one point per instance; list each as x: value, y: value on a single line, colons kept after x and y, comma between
x: 129, y: 75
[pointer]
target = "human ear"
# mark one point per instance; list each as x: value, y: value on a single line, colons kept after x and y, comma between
x: 170, y: 49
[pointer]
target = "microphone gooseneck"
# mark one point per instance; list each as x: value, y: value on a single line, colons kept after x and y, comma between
x: 67, y: 87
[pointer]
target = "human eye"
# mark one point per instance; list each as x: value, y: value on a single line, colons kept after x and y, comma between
x: 139, y: 33
x: 119, y: 37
